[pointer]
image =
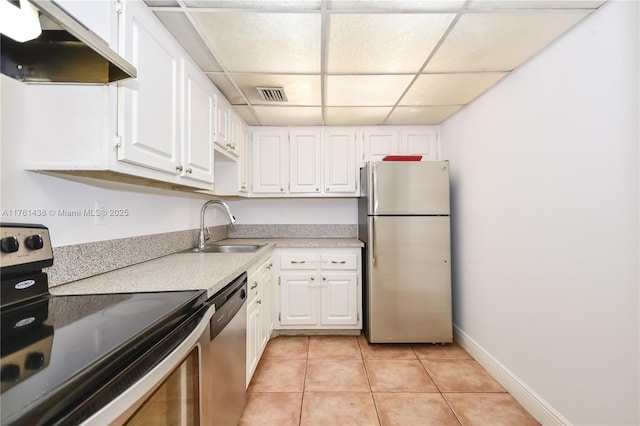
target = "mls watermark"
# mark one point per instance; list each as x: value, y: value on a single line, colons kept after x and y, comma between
x: 101, y: 213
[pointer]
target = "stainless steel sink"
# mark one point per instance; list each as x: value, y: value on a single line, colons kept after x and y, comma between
x: 228, y: 248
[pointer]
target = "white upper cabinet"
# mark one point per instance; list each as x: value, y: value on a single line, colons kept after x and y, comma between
x: 223, y: 113
x: 227, y: 129
x: 167, y: 116
x: 270, y: 162
x: 237, y: 134
x: 198, y: 131
x: 316, y: 161
x: 340, y: 161
x: 324, y: 161
x: 155, y: 129
x: 244, y: 173
x: 420, y: 141
x: 379, y: 142
x: 149, y: 118
x: 305, y: 153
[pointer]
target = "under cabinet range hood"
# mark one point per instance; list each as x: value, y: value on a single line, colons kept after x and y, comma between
x: 65, y: 52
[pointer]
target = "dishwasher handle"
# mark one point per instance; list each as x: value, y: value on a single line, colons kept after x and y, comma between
x: 227, y: 302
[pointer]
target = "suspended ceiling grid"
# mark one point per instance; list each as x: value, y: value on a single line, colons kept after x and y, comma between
x: 362, y: 62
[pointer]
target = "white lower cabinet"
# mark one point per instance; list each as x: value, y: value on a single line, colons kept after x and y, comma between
x: 320, y: 289
x: 259, y: 312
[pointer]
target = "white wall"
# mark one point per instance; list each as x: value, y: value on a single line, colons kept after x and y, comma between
x: 342, y: 211
x: 545, y: 220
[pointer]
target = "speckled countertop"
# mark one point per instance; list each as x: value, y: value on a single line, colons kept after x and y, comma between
x: 191, y: 271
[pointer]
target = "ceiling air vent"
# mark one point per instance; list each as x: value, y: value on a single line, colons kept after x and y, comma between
x: 272, y: 94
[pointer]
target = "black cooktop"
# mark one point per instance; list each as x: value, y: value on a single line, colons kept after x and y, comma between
x: 56, y: 350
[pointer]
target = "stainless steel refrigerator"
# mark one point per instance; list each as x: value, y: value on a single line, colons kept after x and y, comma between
x: 403, y: 215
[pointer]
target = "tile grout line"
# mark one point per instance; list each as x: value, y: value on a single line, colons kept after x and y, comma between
x: 437, y: 387
x: 366, y: 372
x: 428, y: 357
x: 304, y: 382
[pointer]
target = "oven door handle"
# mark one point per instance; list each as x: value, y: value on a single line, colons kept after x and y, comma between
x: 121, y: 408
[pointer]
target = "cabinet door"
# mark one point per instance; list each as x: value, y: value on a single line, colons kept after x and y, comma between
x: 244, y: 162
x: 269, y: 161
x: 236, y: 135
x: 378, y: 143
x: 339, y: 304
x: 298, y: 299
x: 304, y: 160
x: 265, y: 293
x: 253, y: 338
x: 149, y: 116
x: 223, y: 117
x: 269, y: 287
x: 420, y: 142
x: 197, y: 150
x: 340, y: 162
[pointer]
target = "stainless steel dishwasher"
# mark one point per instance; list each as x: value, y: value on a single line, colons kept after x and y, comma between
x: 224, y: 390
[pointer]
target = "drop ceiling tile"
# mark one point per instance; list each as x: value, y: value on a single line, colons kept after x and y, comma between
x: 263, y: 42
x: 256, y: 4
x: 302, y: 90
x: 289, y: 116
x: 449, y: 89
x: 421, y: 114
x: 535, y: 4
x: 178, y: 24
x: 247, y: 114
x: 382, y: 43
x: 162, y: 3
x: 400, y: 5
x: 500, y: 41
x: 365, y: 90
x: 224, y: 84
x: 346, y: 116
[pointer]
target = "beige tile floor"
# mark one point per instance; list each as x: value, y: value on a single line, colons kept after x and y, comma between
x: 344, y: 380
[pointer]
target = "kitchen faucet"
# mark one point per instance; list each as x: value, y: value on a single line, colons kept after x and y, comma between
x: 201, y: 237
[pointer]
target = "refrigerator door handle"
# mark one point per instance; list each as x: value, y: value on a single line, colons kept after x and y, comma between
x: 373, y: 240
x: 373, y: 208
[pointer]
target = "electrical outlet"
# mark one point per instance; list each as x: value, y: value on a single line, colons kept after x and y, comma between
x: 100, y: 213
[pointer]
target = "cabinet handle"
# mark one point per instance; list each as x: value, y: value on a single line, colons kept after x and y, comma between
x: 179, y: 168
x: 259, y: 301
x: 189, y: 170
x: 342, y: 262
x: 317, y: 189
x: 313, y: 278
x: 254, y: 285
x: 324, y: 278
x: 327, y: 189
x: 281, y: 189
x: 298, y: 261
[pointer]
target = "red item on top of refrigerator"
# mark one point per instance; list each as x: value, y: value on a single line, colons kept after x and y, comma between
x: 402, y: 158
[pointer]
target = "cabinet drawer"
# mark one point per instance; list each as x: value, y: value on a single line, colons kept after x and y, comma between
x: 253, y: 287
x: 339, y: 261
x: 298, y: 261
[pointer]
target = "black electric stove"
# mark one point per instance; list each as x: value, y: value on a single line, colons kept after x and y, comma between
x: 64, y: 357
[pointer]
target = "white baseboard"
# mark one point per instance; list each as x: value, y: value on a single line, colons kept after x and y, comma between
x: 531, y: 401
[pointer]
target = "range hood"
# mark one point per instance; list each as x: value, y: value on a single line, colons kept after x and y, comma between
x: 65, y: 52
